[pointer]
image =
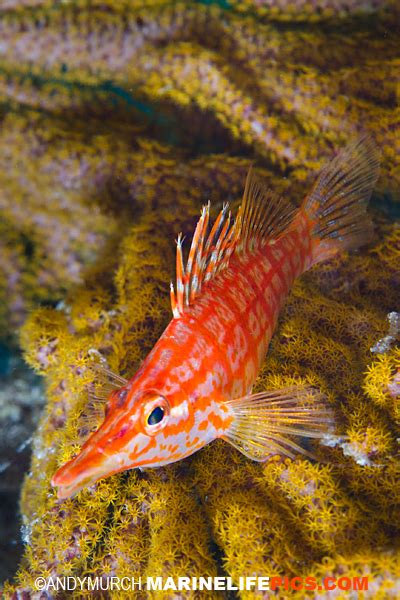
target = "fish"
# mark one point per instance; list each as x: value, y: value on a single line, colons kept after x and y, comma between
x: 195, y: 385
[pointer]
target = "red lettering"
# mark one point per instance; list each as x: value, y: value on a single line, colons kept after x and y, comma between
x: 310, y: 583
x: 344, y: 583
x: 296, y: 583
x: 360, y: 583
x: 327, y: 580
x: 275, y: 583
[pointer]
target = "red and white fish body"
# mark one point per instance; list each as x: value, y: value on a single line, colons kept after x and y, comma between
x: 195, y: 385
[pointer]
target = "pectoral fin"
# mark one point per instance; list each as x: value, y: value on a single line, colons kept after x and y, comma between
x: 265, y: 424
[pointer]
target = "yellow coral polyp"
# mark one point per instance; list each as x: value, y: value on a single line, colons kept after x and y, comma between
x: 381, y: 382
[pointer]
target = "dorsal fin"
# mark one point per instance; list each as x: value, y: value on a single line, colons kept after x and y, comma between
x: 262, y: 216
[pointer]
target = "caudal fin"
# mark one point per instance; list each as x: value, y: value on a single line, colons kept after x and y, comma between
x: 336, y: 208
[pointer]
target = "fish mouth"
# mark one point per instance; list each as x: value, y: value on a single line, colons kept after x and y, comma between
x: 82, y: 471
x: 96, y: 460
x: 68, y: 491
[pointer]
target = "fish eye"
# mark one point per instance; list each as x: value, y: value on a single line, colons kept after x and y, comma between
x: 156, y: 416
x: 155, y: 413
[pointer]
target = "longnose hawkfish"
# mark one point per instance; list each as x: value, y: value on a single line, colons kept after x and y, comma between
x: 196, y: 384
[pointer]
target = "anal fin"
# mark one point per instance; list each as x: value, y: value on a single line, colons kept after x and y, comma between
x: 265, y: 424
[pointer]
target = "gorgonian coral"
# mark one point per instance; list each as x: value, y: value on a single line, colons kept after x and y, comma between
x: 68, y: 191
x: 202, y: 77
x: 119, y: 119
x: 287, y: 93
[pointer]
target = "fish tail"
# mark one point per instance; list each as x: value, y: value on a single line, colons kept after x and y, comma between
x: 336, y: 208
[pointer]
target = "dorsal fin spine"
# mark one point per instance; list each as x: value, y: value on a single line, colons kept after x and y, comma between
x: 198, y: 267
x: 174, y: 305
x: 214, y: 233
x: 217, y: 251
x: 261, y: 216
x: 196, y: 248
x: 180, y: 275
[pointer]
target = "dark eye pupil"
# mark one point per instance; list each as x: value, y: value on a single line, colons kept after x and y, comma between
x: 156, y: 416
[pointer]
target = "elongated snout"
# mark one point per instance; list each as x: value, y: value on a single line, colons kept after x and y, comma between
x: 85, y: 469
x: 112, y: 448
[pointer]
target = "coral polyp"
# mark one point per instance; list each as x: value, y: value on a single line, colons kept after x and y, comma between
x: 263, y: 517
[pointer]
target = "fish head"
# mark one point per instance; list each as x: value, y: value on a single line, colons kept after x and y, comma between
x: 142, y: 429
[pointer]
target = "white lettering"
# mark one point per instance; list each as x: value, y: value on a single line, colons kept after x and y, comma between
x: 155, y: 583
